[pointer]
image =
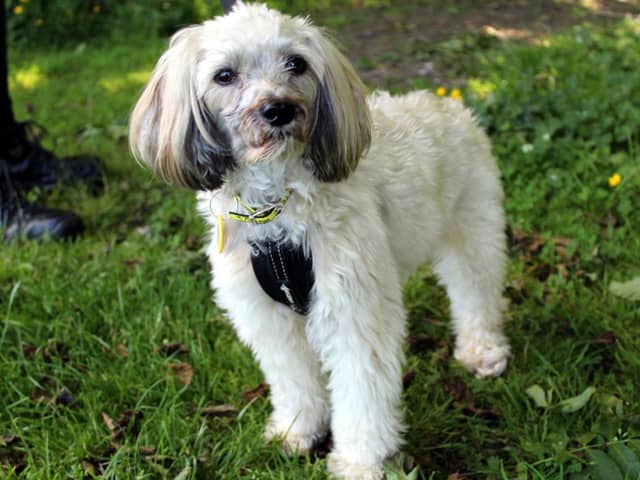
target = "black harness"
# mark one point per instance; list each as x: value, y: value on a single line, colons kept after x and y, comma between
x: 284, y: 273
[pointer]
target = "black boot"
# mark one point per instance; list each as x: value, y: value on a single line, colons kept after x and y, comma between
x: 31, y: 165
x: 20, y: 219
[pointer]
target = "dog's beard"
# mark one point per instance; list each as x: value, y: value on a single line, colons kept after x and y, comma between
x: 263, y: 143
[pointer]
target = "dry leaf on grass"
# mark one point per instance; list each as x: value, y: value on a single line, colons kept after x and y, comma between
x: 457, y: 389
x: 122, y: 350
x: 28, y: 350
x: 486, y: 413
x: 261, y: 390
x: 129, y: 422
x: 109, y: 422
x: 169, y: 349
x: 606, y: 338
x: 183, y: 372
x: 55, y: 349
x: 65, y: 397
x: 408, y: 378
x: 43, y: 389
x: 6, y: 440
x: 219, y: 411
x: 132, y: 262
x: 421, y: 343
x: 146, y: 451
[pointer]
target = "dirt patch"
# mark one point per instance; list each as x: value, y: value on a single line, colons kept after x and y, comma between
x: 393, y: 43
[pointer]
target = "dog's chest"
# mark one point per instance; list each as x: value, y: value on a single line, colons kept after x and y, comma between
x: 284, y: 272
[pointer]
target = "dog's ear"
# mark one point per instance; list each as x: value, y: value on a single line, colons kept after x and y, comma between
x: 170, y: 129
x: 341, y: 127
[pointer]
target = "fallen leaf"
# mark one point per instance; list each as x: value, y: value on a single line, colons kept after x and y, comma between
x: 537, y: 242
x: 538, y: 396
x: 122, y: 350
x: 629, y: 290
x: 183, y: 372
x: 43, y: 389
x: 28, y: 350
x: 191, y: 243
x: 65, y: 397
x: 486, y: 413
x: 455, y: 476
x: 219, y: 411
x: 8, y: 439
x: 132, y: 262
x: 146, y: 451
x: 456, y: 389
x: 574, y: 404
x: 408, y: 379
x: 110, y: 450
x: 55, y: 349
x: 563, y: 270
x: 109, y: 422
x: 91, y: 467
x: 539, y: 271
x: 184, y: 474
x: 169, y: 349
x: 420, y: 343
x: 606, y: 338
x: 129, y: 422
x: 562, y: 241
x: 261, y: 390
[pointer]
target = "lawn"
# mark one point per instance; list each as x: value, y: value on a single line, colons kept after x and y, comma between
x: 115, y: 362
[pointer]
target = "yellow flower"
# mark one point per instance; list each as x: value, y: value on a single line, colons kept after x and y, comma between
x: 441, y: 91
x: 96, y: 8
x: 18, y: 9
x: 455, y: 94
x: 614, y: 180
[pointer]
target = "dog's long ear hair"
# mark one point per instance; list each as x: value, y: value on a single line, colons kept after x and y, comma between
x: 341, y: 127
x: 170, y: 129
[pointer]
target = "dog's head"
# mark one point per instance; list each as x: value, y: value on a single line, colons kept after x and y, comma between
x: 251, y: 86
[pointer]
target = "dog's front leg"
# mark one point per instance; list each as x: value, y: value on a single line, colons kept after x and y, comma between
x: 277, y: 337
x: 357, y: 327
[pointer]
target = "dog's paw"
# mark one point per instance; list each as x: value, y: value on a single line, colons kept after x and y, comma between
x: 485, y: 357
x: 293, y: 441
x: 343, y: 469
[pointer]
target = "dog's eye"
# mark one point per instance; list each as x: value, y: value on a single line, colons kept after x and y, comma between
x: 225, y: 76
x: 296, y: 65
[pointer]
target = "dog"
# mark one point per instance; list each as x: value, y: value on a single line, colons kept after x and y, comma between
x: 321, y: 201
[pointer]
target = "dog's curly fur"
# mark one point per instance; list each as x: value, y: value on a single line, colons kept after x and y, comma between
x: 379, y: 185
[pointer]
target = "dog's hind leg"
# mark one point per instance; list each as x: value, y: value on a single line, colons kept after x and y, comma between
x: 471, y: 264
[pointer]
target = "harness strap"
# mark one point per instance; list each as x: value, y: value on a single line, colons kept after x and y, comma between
x: 284, y: 273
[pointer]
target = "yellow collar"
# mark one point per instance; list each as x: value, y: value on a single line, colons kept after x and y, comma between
x: 262, y: 215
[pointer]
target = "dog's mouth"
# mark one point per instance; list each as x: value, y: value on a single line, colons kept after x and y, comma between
x: 293, y: 132
x: 266, y: 139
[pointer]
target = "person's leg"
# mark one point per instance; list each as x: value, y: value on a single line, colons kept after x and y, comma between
x: 19, y: 218
x: 28, y: 163
x: 6, y: 112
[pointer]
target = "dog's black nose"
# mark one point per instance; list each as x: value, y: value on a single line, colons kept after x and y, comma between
x: 278, y: 114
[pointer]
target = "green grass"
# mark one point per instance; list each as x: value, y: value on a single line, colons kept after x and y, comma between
x: 563, y: 117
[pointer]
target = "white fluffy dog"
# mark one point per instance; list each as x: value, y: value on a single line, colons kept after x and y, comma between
x: 295, y: 165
